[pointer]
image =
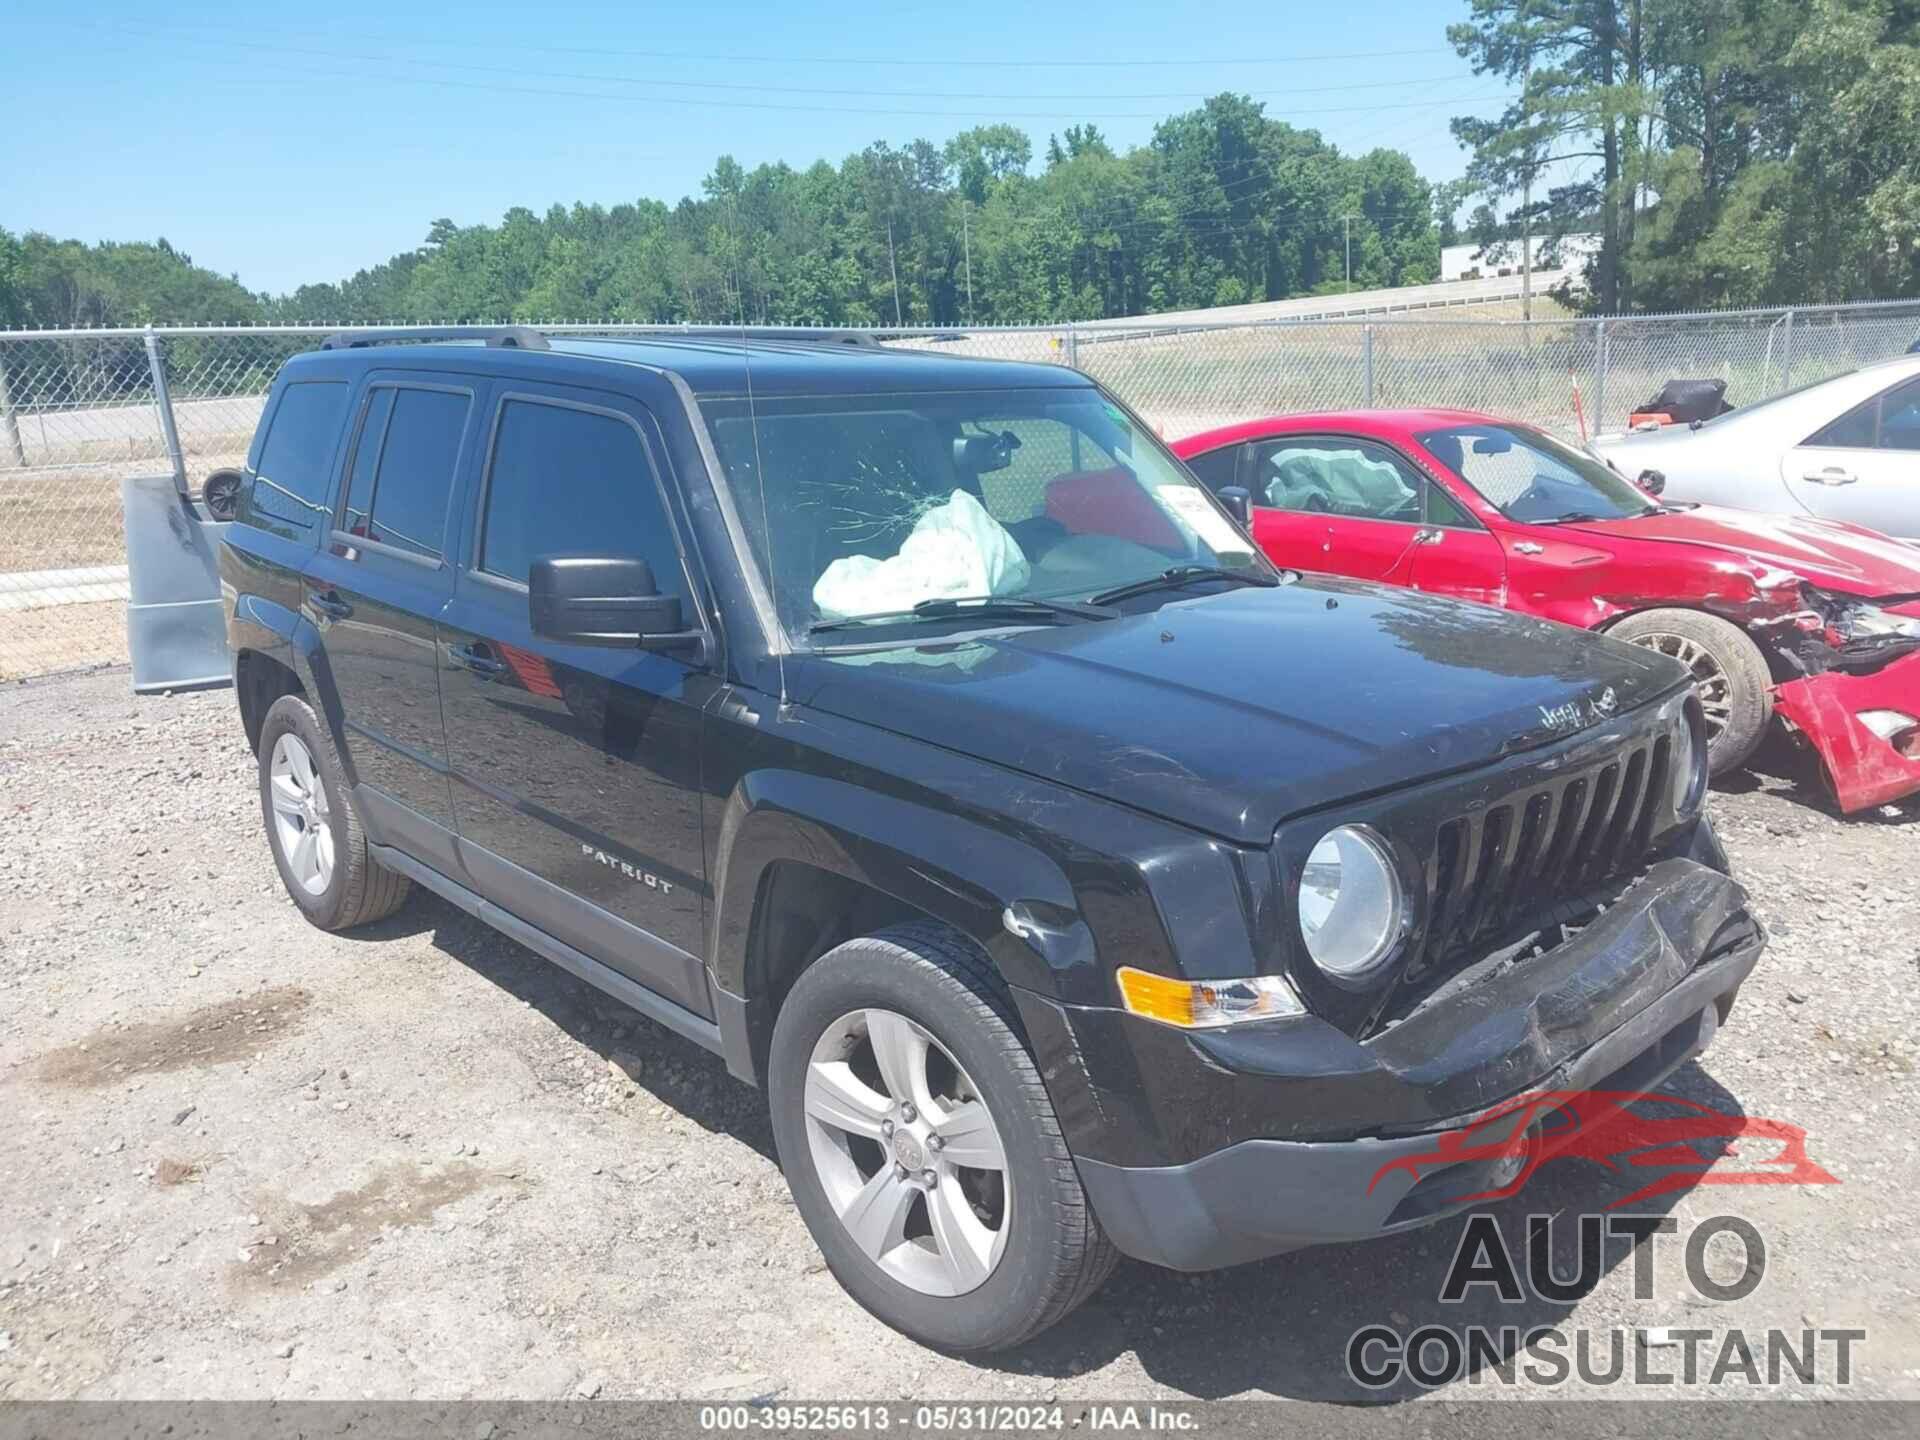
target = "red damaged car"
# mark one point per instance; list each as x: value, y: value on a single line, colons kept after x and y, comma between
x: 1813, y: 620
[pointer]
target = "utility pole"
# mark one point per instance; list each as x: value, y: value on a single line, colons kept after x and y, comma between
x: 966, y: 249
x: 1347, y: 221
x: 1526, y: 195
x: 896, y: 272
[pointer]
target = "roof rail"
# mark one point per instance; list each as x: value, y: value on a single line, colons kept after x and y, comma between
x: 747, y: 334
x: 499, y: 337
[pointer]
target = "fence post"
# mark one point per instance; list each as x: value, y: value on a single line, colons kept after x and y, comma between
x: 1073, y: 348
x: 164, y: 401
x: 1786, y: 353
x: 1367, y: 364
x: 9, y: 422
x: 1599, y: 373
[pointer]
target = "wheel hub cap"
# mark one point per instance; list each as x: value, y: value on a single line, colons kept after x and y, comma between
x: 909, y: 1157
x: 301, y: 829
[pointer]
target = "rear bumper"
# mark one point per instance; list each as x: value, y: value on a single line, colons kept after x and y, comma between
x: 1862, y: 769
x: 1295, y: 1137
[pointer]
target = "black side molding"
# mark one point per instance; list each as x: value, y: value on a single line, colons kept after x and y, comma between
x: 498, y: 337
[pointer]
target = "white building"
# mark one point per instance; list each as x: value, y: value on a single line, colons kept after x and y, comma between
x: 1470, y: 262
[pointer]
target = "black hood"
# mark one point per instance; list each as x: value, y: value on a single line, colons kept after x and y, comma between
x: 1234, y: 711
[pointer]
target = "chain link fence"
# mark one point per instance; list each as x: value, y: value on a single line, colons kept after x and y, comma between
x: 81, y: 410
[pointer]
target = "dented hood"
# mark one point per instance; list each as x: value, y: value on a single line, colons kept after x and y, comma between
x: 1232, y: 711
x: 1826, y: 553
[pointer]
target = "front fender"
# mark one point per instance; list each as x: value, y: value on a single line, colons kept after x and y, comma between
x: 982, y: 881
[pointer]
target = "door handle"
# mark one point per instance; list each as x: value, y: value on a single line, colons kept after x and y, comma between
x: 1428, y: 536
x: 1832, y: 475
x: 476, y: 658
x: 330, y: 605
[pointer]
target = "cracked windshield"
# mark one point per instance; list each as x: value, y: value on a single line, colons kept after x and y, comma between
x: 919, y: 507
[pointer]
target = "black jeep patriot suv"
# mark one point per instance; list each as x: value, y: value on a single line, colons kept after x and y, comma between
x: 917, y: 734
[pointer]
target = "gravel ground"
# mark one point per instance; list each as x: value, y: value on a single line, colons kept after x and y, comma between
x: 246, y: 1159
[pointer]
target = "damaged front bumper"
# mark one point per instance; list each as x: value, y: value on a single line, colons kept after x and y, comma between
x: 1207, y: 1148
x: 1864, y: 767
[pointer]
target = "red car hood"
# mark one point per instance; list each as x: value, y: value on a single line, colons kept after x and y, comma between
x: 1825, y: 553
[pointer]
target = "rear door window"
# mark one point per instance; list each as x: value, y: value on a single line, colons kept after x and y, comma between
x: 418, y: 454
x: 288, y: 491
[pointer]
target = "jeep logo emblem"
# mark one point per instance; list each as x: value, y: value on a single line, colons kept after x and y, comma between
x: 1572, y: 715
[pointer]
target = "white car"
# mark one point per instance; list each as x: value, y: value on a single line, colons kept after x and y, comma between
x: 1846, y: 448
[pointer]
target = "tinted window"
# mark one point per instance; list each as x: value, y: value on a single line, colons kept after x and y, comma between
x: 1854, y: 430
x: 1335, y: 476
x: 1217, y: 468
x: 1900, y: 418
x: 366, y: 455
x: 289, y: 490
x: 567, y: 481
x: 416, y: 470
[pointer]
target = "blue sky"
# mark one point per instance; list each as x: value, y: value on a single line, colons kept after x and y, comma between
x: 286, y: 152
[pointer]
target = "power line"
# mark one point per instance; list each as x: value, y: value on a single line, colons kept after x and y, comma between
x: 546, y: 92
x: 890, y: 61
x: 755, y: 87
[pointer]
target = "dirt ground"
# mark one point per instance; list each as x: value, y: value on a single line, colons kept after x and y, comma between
x: 245, y: 1159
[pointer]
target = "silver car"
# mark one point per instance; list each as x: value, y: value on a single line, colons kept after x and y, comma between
x: 1846, y: 448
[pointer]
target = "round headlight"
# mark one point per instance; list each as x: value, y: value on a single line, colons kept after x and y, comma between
x: 1352, y: 910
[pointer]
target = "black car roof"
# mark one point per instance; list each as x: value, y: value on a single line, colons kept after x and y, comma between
x: 713, y: 364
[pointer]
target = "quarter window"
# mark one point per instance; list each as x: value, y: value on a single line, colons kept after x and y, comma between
x: 1218, y: 469
x: 289, y: 489
x: 565, y: 481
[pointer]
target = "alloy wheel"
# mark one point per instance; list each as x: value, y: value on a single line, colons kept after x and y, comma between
x: 907, y: 1152
x: 301, y: 818
x: 1710, y: 680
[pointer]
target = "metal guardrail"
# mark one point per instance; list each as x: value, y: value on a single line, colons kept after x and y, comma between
x: 82, y: 410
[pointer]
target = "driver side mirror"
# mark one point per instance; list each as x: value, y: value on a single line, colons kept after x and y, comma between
x: 1239, y: 503
x: 604, y: 600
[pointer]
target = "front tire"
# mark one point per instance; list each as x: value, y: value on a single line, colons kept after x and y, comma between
x: 921, y: 1147
x: 312, y: 826
x: 1729, y: 675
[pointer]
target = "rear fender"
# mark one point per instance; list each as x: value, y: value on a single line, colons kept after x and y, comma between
x: 269, y: 628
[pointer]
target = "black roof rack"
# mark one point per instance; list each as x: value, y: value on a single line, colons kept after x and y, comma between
x: 500, y: 337
x: 808, y: 334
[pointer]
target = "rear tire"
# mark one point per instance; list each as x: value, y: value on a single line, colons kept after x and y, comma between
x: 923, y: 990
x: 313, y: 828
x: 1730, y: 676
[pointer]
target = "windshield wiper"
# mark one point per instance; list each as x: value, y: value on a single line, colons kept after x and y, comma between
x: 1183, y: 575
x: 988, y: 607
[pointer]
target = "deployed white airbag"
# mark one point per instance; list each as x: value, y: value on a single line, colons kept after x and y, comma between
x: 956, y: 549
